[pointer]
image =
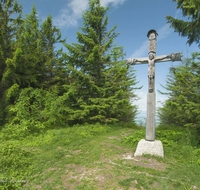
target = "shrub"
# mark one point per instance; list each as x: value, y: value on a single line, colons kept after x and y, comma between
x: 15, y: 166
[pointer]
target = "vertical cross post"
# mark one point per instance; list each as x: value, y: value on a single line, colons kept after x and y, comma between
x: 151, y: 95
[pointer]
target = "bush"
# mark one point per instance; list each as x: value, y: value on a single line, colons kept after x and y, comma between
x: 183, y: 136
x: 15, y: 166
x: 32, y: 113
x: 134, y: 138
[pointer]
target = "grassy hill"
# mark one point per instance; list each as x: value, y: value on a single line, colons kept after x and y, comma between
x: 98, y: 157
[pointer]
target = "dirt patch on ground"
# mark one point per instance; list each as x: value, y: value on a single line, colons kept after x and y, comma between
x: 97, y: 178
x: 144, y: 162
x: 110, y: 145
x: 113, y: 138
x: 75, y: 174
x: 75, y: 152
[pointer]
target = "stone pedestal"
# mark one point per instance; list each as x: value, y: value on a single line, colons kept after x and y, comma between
x: 154, y: 148
x: 150, y: 121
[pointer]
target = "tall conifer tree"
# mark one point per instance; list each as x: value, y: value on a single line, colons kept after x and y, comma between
x: 54, y: 72
x: 10, y: 20
x: 101, y: 88
x: 182, y: 108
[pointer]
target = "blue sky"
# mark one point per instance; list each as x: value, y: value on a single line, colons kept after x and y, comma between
x: 134, y: 18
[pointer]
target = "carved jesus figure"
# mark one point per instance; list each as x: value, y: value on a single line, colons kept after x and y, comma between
x: 151, y: 60
x: 151, y: 72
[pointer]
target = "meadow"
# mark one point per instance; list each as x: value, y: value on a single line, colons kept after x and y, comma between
x: 99, y: 157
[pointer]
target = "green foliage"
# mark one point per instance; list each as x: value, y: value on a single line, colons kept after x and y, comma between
x: 28, y: 59
x: 196, y: 153
x: 26, y: 115
x: 36, y: 140
x: 42, y: 87
x: 183, y: 90
x: 78, y: 134
x: 10, y: 20
x: 28, y: 64
x: 91, y: 130
x: 15, y: 164
x: 12, y: 93
x: 134, y: 138
x: 189, y: 28
x: 53, y: 68
x: 102, y: 86
x: 167, y: 136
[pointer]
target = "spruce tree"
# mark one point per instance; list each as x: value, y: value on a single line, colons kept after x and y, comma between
x: 37, y: 67
x: 34, y: 70
x: 100, y: 88
x: 23, y: 69
x: 28, y: 42
x: 10, y: 20
x: 54, y: 71
x: 190, y: 26
x: 182, y: 107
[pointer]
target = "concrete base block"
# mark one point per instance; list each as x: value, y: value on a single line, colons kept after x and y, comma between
x: 154, y: 148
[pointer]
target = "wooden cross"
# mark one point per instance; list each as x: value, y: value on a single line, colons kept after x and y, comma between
x: 151, y: 96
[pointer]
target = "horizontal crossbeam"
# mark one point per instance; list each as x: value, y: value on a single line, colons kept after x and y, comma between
x: 162, y: 58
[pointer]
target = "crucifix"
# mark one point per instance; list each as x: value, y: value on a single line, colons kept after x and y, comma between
x: 151, y: 96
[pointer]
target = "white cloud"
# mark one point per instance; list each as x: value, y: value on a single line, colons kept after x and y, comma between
x: 72, y: 12
x: 141, y: 51
x: 77, y: 7
x: 164, y: 31
x: 112, y: 2
x: 177, y: 14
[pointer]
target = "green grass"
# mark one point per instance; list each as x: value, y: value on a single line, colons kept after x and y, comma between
x: 91, y: 157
